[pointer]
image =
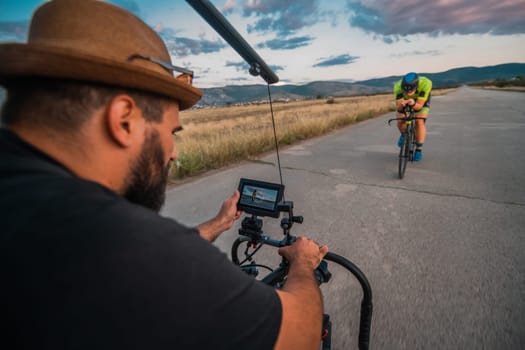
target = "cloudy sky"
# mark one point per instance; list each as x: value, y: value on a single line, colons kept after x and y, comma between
x: 310, y: 40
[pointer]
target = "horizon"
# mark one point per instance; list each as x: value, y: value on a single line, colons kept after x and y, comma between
x: 259, y: 83
x: 305, y: 41
x: 359, y: 81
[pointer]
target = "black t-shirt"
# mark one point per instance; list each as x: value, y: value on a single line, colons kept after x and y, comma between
x: 83, y: 268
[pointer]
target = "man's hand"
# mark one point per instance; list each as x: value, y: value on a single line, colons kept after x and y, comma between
x: 304, y: 251
x: 224, y: 220
x: 302, y: 305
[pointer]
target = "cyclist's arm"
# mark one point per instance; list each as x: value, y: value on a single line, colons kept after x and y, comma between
x: 415, y: 104
x: 398, y: 96
x: 420, y: 101
x: 301, y: 300
x: 418, y: 104
x: 400, y: 103
x: 424, y: 94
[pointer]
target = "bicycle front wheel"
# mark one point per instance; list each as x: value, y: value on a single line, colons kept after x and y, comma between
x: 411, y: 143
x: 403, y: 155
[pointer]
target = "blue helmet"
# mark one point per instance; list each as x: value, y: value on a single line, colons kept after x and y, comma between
x: 410, y: 82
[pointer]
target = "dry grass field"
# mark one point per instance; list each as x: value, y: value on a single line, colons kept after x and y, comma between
x: 215, y: 137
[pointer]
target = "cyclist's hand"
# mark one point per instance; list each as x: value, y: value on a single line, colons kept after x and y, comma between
x: 304, y: 251
x: 409, y: 102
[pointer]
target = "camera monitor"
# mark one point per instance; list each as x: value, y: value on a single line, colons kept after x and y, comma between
x: 260, y: 198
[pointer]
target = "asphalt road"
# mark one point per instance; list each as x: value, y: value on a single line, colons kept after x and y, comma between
x: 444, y: 248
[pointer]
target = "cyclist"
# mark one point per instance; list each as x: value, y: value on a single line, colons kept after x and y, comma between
x: 413, y: 90
x: 86, y: 260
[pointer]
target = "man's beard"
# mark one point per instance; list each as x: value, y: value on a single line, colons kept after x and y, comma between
x: 148, y: 177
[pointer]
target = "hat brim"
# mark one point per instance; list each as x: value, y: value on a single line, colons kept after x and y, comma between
x: 32, y: 60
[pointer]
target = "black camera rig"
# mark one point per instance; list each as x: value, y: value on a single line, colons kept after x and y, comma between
x: 269, y: 204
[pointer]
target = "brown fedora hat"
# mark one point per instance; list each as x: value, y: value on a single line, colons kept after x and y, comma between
x: 94, y: 41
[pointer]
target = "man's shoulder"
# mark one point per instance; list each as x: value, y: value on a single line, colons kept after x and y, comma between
x: 42, y: 197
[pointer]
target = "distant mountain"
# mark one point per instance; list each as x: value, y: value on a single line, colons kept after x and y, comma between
x: 236, y: 94
x: 256, y: 93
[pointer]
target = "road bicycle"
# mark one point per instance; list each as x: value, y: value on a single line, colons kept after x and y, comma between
x: 408, y: 147
x: 252, y: 235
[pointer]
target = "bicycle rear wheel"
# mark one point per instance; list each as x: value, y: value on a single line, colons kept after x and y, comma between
x: 403, y: 155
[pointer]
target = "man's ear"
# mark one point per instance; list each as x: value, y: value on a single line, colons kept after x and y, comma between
x: 122, y: 119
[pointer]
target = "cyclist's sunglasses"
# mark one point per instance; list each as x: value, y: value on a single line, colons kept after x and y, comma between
x: 186, y: 75
x: 409, y: 88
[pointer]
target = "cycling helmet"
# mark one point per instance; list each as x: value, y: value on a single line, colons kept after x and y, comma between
x: 410, y: 82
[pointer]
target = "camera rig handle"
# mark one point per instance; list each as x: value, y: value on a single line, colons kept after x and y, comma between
x: 287, y: 221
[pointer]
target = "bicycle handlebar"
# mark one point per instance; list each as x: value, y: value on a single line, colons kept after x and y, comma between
x: 405, y: 119
x: 409, y: 115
